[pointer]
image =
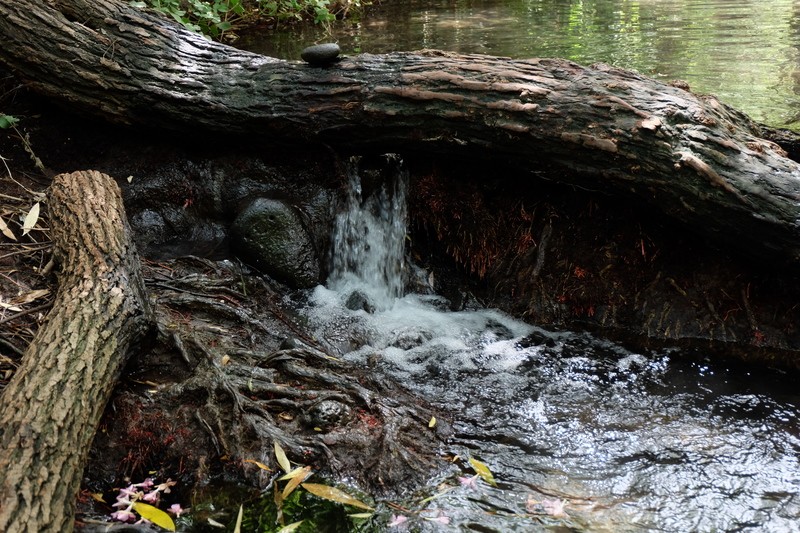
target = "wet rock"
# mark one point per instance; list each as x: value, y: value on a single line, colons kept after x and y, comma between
x: 320, y: 54
x: 270, y: 234
x: 327, y: 414
x: 358, y: 301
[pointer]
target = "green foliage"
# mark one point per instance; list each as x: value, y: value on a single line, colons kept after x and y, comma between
x: 7, y: 121
x: 214, y: 17
x: 318, y: 515
x: 209, y: 17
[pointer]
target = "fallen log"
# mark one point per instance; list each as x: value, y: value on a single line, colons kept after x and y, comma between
x: 50, y: 409
x: 597, y: 127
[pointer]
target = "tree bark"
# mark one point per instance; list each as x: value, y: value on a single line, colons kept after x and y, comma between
x: 51, y: 407
x: 599, y: 127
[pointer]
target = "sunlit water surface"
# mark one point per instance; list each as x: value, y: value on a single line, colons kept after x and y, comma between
x: 745, y: 52
x: 625, y: 441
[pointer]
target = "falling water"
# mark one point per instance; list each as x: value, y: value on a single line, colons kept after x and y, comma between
x: 582, y: 434
x: 369, y: 235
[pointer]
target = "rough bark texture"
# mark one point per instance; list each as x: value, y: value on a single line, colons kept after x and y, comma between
x: 610, y: 129
x: 52, y: 406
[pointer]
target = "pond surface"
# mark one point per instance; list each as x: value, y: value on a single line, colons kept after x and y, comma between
x: 744, y: 51
x: 580, y: 434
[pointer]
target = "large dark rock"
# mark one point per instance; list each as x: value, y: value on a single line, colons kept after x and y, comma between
x: 270, y: 234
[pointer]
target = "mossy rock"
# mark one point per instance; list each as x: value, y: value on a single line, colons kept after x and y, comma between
x: 271, y: 236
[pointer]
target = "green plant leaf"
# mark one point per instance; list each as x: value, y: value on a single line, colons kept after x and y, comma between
x: 483, y: 471
x: 335, y: 495
x: 6, y: 121
x: 155, y: 515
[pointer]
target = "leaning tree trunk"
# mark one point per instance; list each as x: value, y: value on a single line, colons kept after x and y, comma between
x: 610, y: 129
x: 51, y: 408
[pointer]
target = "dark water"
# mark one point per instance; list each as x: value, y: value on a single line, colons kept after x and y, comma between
x: 746, y: 52
x: 624, y: 441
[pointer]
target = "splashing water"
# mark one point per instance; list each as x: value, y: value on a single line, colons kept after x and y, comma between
x: 611, y: 439
x: 369, y: 237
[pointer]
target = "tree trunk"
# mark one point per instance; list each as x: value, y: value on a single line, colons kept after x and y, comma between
x: 599, y: 127
x: 52, y: 406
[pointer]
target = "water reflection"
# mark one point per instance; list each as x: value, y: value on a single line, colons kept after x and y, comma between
x: 745, y: 52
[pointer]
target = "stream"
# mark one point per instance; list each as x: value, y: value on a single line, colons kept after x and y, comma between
x: 580, y: 433
x: 620, y: 440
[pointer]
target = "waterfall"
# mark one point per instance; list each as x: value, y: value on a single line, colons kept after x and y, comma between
x: 369, y: 235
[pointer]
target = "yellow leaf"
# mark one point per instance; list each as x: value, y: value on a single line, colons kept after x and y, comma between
x: 262, y: 466
x: 295, y: 481
x: 432, y: 422
x: 291, y: 527
x: 98, y: 497
x: 360, y: 515
x: 238, y: 527
x: 30, y: 219
x: 483, y: 471
x: 7, y: 232
x: 155, y: 515
x: 294, y: 473
x: 335, y: 495
x: 280, y: 455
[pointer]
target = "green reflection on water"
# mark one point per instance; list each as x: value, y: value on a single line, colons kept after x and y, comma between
x: 745, y: 52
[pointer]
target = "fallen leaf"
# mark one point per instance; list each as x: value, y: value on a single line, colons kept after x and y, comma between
x: 238, y: 527
x: 296, y: 479
x: 432, y: 422
x: 280, y: 455
x: 30, y: 296
x: 294, y: 473
x: 7, y: 232
x: 483, y: 471
x: 154, y: 515
x: 335, y: 495
x: 30, y: 219
x: 291, y: 527
x: 262, y: 466
x: 212, y: 522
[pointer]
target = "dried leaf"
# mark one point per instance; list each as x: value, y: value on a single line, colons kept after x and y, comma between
x: 30, y: 296
x: 360, y: 515
x: 483, y: 471
x: 12, y: 308
x: 154, y: 515
x: 294, y: 473
x: 212, y: 522
x: 291, y: 527
x: 262, y: 466
x: 432, y: 422
x: 295, y: 481
x: 238, y: 527
x: 30, y: 219
x: 7, y: 232
x: 335, y: 495
x: 280, y: 455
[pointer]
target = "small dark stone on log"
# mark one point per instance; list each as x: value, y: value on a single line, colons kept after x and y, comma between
x: 321, y: 54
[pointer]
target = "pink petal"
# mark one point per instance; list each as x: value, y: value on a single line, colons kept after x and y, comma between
x: 397, y: 520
